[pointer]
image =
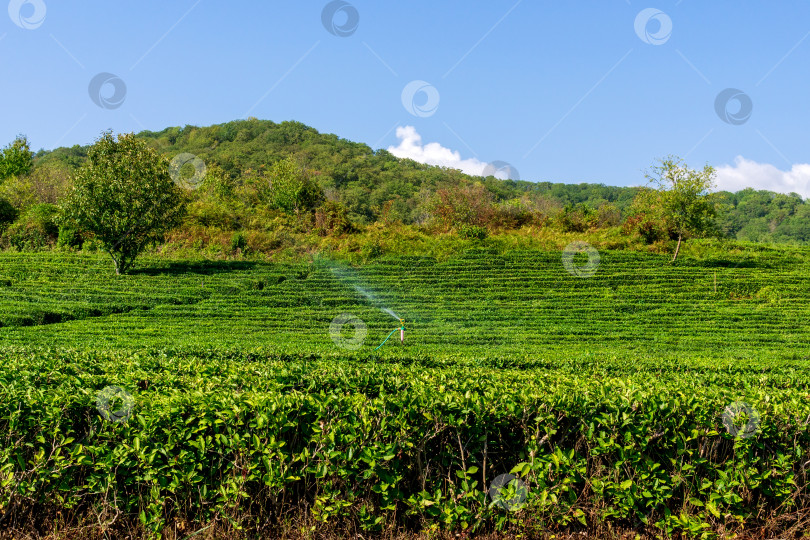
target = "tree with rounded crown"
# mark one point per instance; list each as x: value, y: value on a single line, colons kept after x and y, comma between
x: 685, y: 197
x: 125, y: 196
x: 291, y: 188
x: 16, y: 159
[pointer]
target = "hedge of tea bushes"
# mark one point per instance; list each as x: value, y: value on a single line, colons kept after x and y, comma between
x: 251, y: 437
x: 478, y: 304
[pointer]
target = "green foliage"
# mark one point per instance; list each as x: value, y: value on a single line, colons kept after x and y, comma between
x: 238, y: 242
x: 646, y: 218
x: 473, y: 231
x: 217, y: 184
x: 245, y: 409
x: 7, y: 213
x: 19, y: 192
x: 247, y: 435
x: 376, y: 186
x: 468, y: 204
x: 69, y: 238
x: 577, y: 218
x: 291, y: 189
x: 686, y: 202
x: 45, y: 184
x: 515, y: 213
x: 16, y: 159
x: 124, y: 195
x: 34, y: 230
x: 214, y: 213
x: 332, y: 219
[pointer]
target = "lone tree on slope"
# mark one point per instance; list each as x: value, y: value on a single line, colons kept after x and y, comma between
x: 685, y: 197
x: 125, y: 196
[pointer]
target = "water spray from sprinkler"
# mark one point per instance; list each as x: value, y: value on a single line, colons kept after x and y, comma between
x: 348, y: 275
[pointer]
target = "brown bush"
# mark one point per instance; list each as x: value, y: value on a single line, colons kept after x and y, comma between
x: 470, y: 204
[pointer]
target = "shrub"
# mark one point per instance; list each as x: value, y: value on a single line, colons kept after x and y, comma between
x: 608, y: 215
x: 34, y: 230
x: 768, y: 294
x: 213, y: 214
x: 238, y: 242
x: 19, y: 191
x: 332, y: 219
x: 292, y: 189
x: 69, y: 238
x: 645, y: 227
x: 465, y: 205
x: 472, y: 231
x: 577, y: 218
x: 7, y: 213
x: 92, y: 245
x: 372, y: 250
x: 280, y: 239
x: 512, y: 214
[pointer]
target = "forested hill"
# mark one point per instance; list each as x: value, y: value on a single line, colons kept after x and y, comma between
x: 370, y: 183
x: 363, y: 177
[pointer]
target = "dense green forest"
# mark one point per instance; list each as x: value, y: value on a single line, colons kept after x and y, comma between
x: 357, y: 187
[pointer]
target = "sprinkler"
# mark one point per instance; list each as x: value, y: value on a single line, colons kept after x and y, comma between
x: 401, y: 334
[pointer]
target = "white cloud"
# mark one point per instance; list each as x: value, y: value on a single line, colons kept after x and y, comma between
x: 747, y: 173
x: 411, y: 147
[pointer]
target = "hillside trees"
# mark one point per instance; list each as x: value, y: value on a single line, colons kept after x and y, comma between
x: 374, y: 186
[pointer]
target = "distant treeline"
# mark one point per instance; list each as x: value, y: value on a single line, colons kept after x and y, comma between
x: 367, y: 186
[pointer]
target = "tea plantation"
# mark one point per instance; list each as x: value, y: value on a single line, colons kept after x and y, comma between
x: 647, y: 397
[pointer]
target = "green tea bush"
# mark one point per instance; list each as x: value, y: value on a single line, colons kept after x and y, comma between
x: 605, y: 396
x: 246, y: 436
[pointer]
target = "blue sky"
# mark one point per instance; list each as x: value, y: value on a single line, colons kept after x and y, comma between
x: 562, y: 91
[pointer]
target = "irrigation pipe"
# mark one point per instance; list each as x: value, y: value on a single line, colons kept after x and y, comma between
x: 401, y: 329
